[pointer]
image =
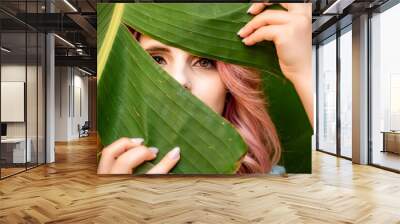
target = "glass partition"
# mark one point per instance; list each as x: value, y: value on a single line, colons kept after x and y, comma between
x: 14, y: 153
x: 22, y: 88
x: 346, y: 93
x: 385, y: 89
x: 327, y: 95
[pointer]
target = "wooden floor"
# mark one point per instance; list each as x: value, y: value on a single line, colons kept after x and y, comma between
x: 69, y: 191
x: 10, y: 171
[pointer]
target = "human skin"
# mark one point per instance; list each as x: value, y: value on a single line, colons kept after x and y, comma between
x: 291, y: 33
x: 198, y: 75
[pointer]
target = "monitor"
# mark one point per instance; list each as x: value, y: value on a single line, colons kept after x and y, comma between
x: 3, y: 129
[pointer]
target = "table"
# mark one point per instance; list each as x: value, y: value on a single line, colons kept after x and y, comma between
x: 16, y: 147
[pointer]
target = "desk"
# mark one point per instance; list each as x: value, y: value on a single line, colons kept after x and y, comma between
x: 391, y: 141
x: 16, y: 147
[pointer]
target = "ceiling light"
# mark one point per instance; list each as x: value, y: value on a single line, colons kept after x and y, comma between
x: 337, y: 7
x: 84, y: 71
x: 65, y: 41
x: 331, y: 8
x: 70, y: 5
x: 5, y: 50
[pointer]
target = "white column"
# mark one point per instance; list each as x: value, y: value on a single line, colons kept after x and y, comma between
x: 50, y: 93
x: 360, y: 90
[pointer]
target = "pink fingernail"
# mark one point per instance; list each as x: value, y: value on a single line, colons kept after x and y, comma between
x: 174, y: 153
x: 137, y: 140
x: 153, y: 150
x: 240, y: 32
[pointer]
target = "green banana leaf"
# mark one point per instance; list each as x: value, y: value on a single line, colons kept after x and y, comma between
x: 164, y: 114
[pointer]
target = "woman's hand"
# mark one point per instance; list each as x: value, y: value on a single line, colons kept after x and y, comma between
x: 291, y: 33
x: 125, y: 154
x: 289, y: 30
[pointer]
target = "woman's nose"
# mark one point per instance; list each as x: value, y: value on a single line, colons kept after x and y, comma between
x: 182, y: 77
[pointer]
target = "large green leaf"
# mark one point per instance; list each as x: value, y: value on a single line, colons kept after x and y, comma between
x: 209, y: 30
x: 137, y: 98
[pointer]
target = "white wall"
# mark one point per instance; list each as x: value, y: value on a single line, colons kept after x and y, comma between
x: 62, y: 81
x: 13, y: 101
x: 80, y: 110
x: 12, y: 73
x: 71, y: 94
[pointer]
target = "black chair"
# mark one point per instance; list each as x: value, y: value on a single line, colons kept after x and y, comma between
x: 84, y: 130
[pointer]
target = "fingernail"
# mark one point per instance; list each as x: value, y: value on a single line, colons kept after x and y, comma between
x: 244, y: 40
x: 249, y: 11
x: 137, y: 140
x: 153, y: 150
x: 240, y: 32
x: 174, y: 153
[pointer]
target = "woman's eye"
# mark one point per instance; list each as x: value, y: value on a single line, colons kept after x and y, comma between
x: 160, y: 60
x: 205, y: 63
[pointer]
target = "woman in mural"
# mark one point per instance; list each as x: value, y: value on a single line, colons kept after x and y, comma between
x: 233, y: 91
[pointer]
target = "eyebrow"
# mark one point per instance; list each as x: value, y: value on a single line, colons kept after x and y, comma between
x: 162, y: 49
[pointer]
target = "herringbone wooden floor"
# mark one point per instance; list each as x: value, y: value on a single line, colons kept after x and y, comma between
x: 69, y: 191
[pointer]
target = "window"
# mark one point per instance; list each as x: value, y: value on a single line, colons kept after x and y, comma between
x: 385, y: 89
x: 327, y: 96
x: 346, y: 92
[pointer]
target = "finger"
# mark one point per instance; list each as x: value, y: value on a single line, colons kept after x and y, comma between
x: 166, y: 163
x: 268, y: 17
x: 133, y: 158
x: 256, y: 8
x: 111, y: 152
x: 269, y: 33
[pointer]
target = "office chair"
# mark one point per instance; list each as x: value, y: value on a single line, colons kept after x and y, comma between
x: 84, y: 130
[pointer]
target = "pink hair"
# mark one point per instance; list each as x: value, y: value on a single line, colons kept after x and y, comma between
x: 245, y: 108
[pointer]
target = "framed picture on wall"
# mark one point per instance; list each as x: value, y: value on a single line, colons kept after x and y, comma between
x: 191, y: 88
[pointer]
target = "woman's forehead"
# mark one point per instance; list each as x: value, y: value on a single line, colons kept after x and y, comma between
x: 150, y: 44
x: 146, y: 41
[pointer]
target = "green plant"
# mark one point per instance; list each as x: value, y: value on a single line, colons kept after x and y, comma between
x: 137, y: 98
